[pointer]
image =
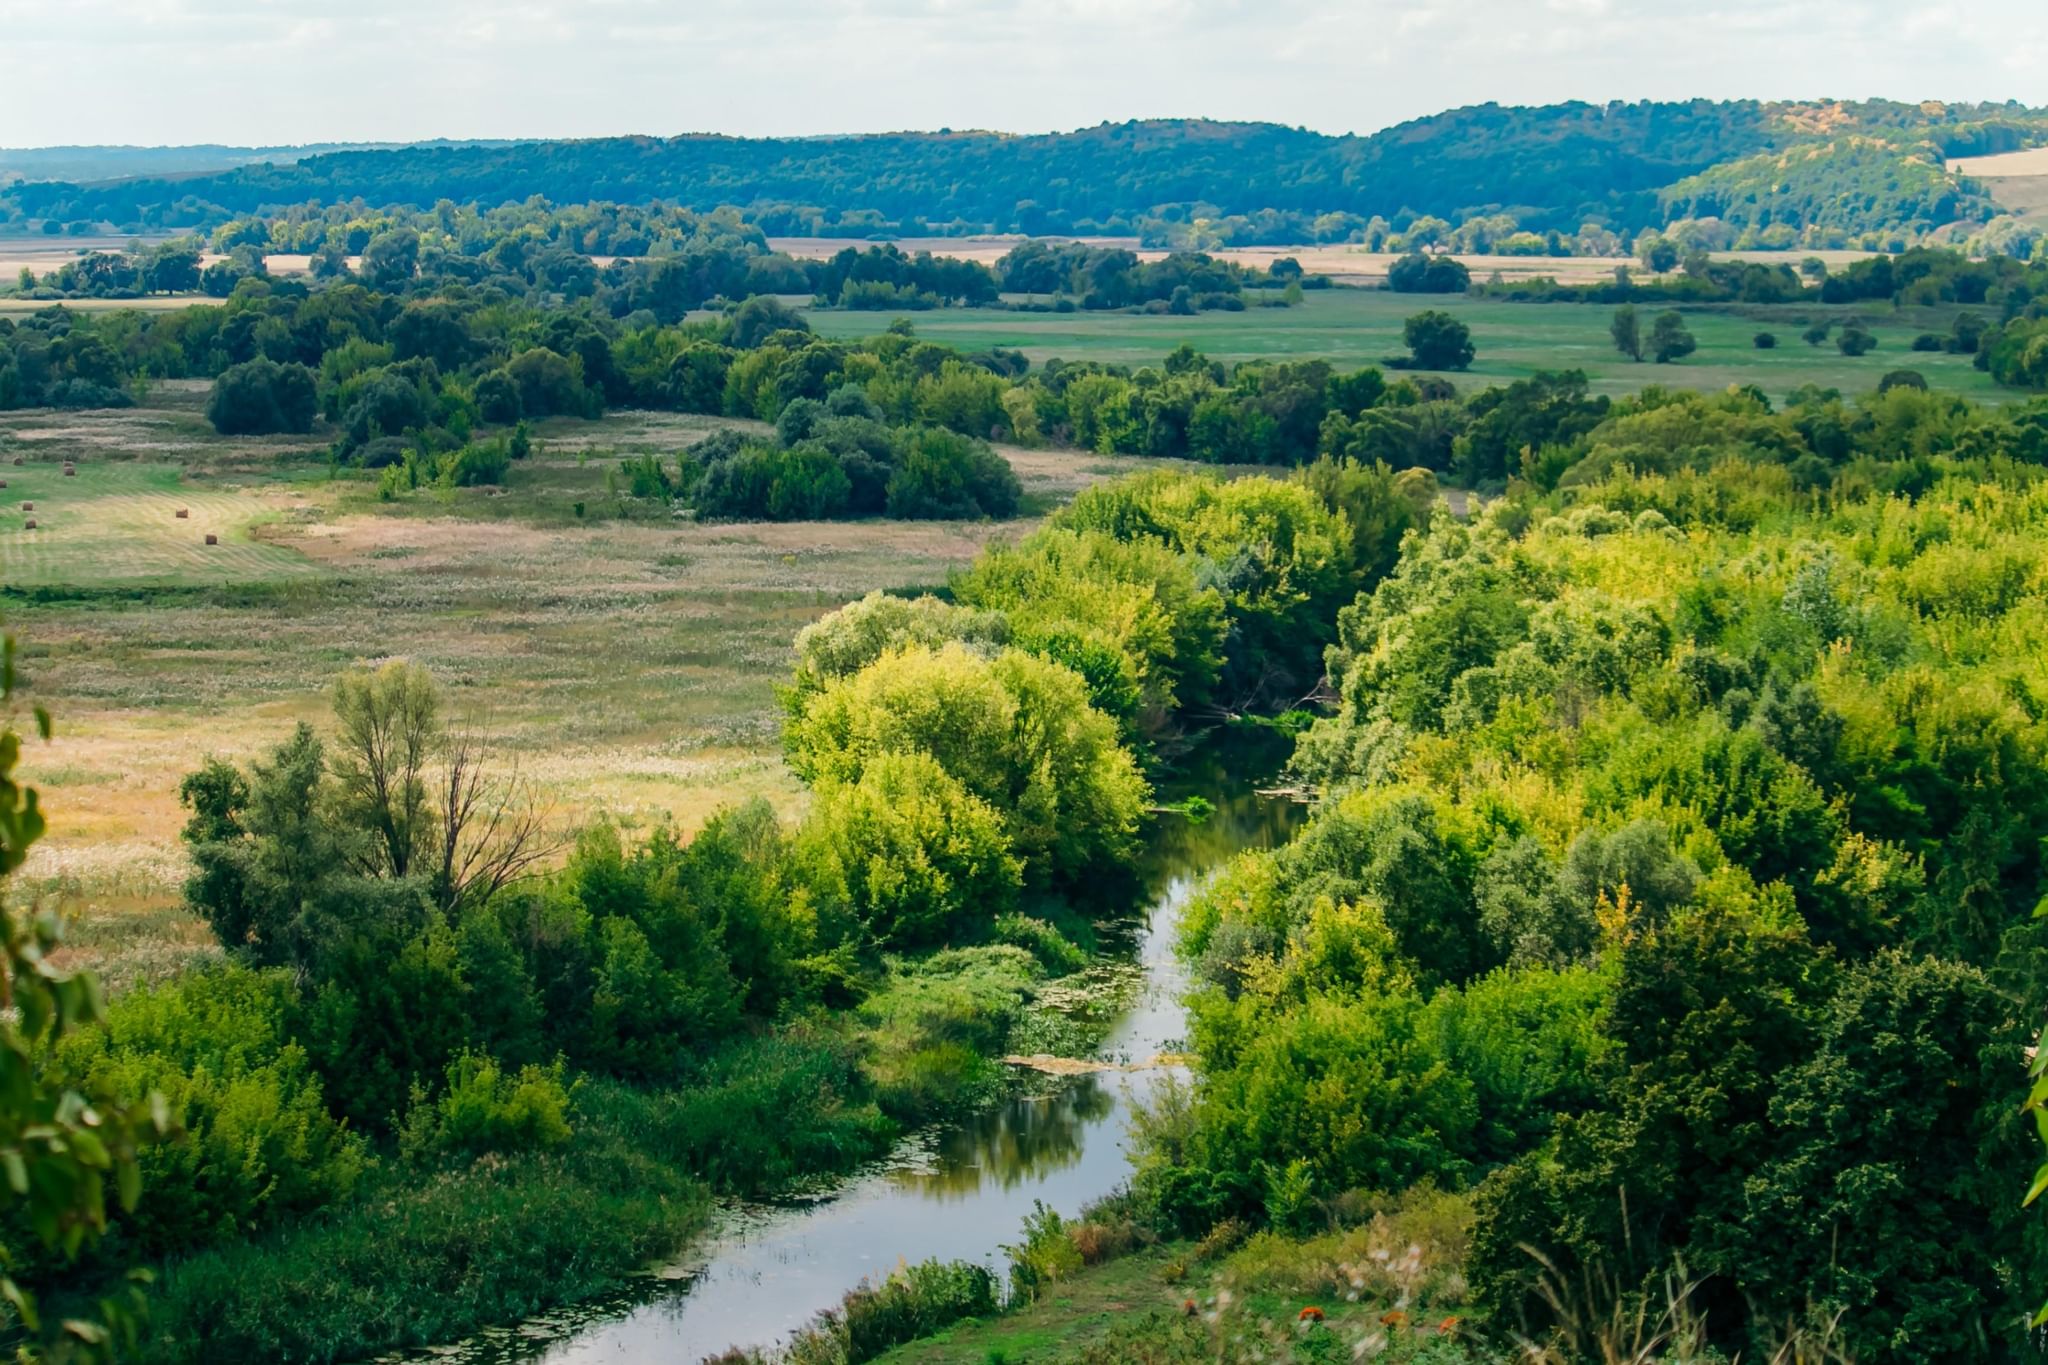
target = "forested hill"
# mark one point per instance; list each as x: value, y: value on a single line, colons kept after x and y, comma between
x: 1626, y: 166
x: 88, y: 164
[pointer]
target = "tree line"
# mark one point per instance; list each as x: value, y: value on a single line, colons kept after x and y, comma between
x: 1620, y: 167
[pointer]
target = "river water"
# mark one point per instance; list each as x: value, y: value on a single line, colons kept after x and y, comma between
x: 957, y: 1193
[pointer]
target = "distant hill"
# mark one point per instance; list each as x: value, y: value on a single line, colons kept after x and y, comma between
x: 1861, y: 168
x: 86, y: 165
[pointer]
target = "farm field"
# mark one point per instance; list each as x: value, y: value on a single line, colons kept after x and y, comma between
x: 1353, y: 327
x: 153, y: 649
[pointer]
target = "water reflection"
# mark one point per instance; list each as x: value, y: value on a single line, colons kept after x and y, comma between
x: 956, y: 1193
x: 1021, y: 1141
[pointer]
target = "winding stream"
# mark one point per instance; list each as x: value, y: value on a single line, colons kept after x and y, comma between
x: 956, y: 1193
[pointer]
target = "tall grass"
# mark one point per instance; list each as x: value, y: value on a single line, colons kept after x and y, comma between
x: 420, y: 1258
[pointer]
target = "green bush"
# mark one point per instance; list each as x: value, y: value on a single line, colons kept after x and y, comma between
x: 943, y: 475
x: 912, y: 1302
x: 487, y: 1108
x: 260, y: 396
x: 916, y: 858
x: 259, y: 1144
x: 1016, y: 732
x: 1058, y: 954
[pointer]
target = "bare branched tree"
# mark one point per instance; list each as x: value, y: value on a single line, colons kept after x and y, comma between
x: 493, y: 829
x: 462, y: 825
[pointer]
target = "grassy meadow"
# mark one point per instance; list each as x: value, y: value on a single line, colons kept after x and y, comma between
x: 626, y: 660
x: 1354, y: 327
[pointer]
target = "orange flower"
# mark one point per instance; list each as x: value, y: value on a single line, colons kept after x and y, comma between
x: 1449, y: 1326
x: 1396, y: 1319
x: 1310, y: 1314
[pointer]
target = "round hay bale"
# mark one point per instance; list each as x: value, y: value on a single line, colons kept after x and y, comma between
x: 17, y: 459
x: 70, y: 472
x: 183, y: 513
x: 29, y: 525
x: 28, y: 507
x: 212, y: 539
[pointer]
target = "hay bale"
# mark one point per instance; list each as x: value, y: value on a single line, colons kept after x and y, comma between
x: 28, y: 507
x: 29, y: 525
x: 70, y: 472
x: 17, y: 459
x: 212, y: 539
x: 184, y: 512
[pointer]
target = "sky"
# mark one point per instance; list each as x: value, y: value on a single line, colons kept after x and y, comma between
x: 269, y: 72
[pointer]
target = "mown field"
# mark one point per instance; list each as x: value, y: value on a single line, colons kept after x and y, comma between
x: 627, y: 659
x: 1352, y: 327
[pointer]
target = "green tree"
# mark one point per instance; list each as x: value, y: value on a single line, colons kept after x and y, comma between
x: 1669, y: 339
x: 1437, y: 341
x: 1017, y: 732
x: 392, y: 258
x: 1855, y: 339
x: 916, y: 858
x: 260, y: 396
x: 1627, y: 332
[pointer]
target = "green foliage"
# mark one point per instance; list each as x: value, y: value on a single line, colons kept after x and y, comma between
x: 488, y: 1109
x: 1416, y: 273
x: 1437, y: 341
x: 61, y: 1139
x: 914, y: 858
x: 259, y: 397
x: 1669, y: 340
x: 1015, y: 732
x: 943, y: 475
x: 913, y: 1301
x: 257, y: 1144
x: 846, y: 641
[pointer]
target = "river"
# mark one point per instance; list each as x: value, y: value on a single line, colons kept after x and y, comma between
x: 955, y: 1193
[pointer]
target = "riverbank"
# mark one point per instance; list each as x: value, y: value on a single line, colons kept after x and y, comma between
x: 426, y: 1254
x: 957, y: 1190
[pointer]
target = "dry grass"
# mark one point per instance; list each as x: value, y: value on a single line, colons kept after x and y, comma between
x: 627, y: 659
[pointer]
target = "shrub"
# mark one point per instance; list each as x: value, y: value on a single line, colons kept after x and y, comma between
x: 1437, y: 341
x: 487, y: 1108
x: 1765, y: 341
x: 913, y: 854
x: 1016, y: 732
x: 765, y: 482
x: 912, y: 1302
x: 1055, y: 951
x: 259, y: 1144
x: 1855, y: 339
x: 259, y: 397
x: 1416, y: 273
x: 944, y: 475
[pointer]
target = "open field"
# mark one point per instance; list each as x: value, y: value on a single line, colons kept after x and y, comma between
x: 2017, y: 180
x: 1352, y: 327
x: 627, y: 662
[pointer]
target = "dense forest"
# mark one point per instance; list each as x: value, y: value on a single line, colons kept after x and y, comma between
x: 1836, y: 171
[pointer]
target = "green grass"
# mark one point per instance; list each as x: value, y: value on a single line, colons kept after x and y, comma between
x: 118, y: 524
x: 1070, y: 1314
x: 1354, y: 327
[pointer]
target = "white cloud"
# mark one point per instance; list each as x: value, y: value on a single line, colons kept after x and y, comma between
x: 261, y: 71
